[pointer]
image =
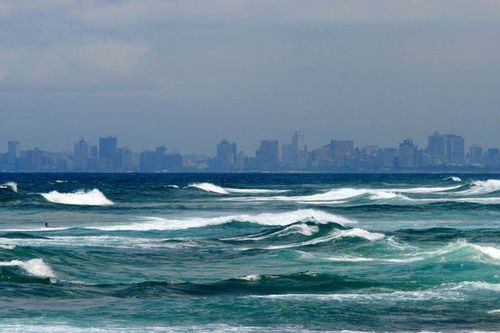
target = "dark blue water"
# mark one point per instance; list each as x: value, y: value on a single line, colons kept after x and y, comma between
x: 249, y: 252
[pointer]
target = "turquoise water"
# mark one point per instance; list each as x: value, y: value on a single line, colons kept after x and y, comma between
x: 249, y: 252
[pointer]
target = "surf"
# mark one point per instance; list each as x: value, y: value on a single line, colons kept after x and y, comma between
x: 212, y: 188
x: 10, y: 185
x: 267, y: 219
x: 80, y: 198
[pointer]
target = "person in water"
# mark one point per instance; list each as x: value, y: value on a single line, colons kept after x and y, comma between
x: 47, y: 225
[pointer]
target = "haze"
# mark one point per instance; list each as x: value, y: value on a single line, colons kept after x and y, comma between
x: 188, y: 73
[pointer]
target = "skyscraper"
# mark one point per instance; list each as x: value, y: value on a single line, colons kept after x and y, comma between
x: 476, y: 154
x: 436, y: 148
x: 107, y: 148
x: 341, y: 151
x: 226, y: 154
x: 81, y: 154
x: 455, y: 149
x: 407, y: 154
x: 12, y: 152
x: 267, y: 156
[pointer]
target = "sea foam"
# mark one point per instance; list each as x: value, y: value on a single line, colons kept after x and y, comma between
x: 209, y: 187
x: 453, y: 179
x: 89, y: 198
x: 480, y: 187
x: 11, y: 185
x: 277, y: 219
x: 36, y: 267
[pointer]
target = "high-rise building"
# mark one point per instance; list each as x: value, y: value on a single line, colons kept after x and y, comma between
x: 160, y: 158
x: 455, y: 149
x: 226, y: 155
x: 266, y: 157
x: 341, y: 151
x: 476, y: 154
x: 407, y: 154
x: 436, y: 148
x: 12, y: 152
x: 294, y: 155
x: 81, y: 155
x: 107, y: 148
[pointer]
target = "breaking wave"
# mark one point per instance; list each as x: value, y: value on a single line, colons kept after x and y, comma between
x: 453, y: 179
x: 480, y: 187
x: 89, y: 198
x: 36, y: 267
x: 277, y: 219
x: 11, y: 185
x: 334, y: 235
x: 209, y: 187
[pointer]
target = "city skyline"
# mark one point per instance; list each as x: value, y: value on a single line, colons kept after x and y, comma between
x: 442, y: 152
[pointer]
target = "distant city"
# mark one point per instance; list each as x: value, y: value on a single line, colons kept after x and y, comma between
x: 444, y: 152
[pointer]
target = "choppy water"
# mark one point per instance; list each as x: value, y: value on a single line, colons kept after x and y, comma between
x: 263, y: 253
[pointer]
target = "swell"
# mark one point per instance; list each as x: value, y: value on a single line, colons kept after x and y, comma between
x: 80, y: 198
x: 212, y: 188
x: 268, y: 219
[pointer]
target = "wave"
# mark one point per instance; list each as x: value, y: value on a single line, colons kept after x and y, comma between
x: 173, y: 186
x: 209, y: 187
x: 61, y: 181
x: 334, y: 235
x: 453, y: 179
x: 480, y: 187
x: 11, y: 185
x: 89, y: 198
x: 36, y: 267
x: 276, y: 219
x: 342, y: 195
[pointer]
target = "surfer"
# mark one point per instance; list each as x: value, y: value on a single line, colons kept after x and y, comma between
x: 46, y: 225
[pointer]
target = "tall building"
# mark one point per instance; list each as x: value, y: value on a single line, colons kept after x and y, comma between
x: 226, y: 155
x: 407, y: 154
x: 436, y: 148
x: 12, y: 152
x: 341, y: 151
x: 476, y: 154
x: 294, y: 154
x: 455, y: 149
x: 266, y: 157
x: 107, y: 148
x: 81, y: 155
x: 160, y: 158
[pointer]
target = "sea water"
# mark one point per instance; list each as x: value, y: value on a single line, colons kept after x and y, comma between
x: 249, y: 252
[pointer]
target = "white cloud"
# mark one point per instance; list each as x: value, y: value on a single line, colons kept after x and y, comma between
x: 118, y: 57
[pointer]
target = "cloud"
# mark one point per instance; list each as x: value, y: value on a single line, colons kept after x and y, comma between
x: 97, y: 65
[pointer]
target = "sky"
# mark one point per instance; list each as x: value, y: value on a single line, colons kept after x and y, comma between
x: 187, y: 73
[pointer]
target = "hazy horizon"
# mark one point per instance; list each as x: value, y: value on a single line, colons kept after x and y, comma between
x: 187, y: 74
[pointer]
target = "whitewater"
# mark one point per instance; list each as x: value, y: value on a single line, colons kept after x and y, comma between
x: 249, y: 253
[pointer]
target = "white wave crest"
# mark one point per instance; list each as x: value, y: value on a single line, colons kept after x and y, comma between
x: 36, y: 267
x: 480, y: 187
x: 301, y: 228
x: 173, y: 186
x: 61, y: 181
x: 209, y: 187
x: 89, y: 198
x: 453, y: 179
x: 425, y: 190
x: 11, y: 185
x: 422, y: 295
x: 251, y: 277
x: 286, y: 218
x: 334, y: 235
x: 339, y: 195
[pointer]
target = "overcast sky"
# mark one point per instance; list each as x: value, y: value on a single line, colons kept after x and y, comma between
x: 187, y: 73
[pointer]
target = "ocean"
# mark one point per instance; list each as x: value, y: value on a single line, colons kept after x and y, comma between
x: 249, y: 252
